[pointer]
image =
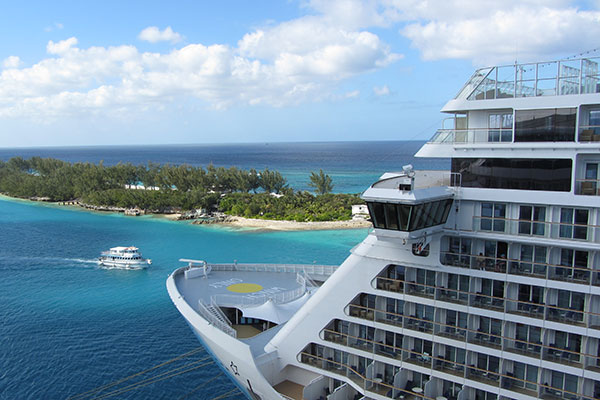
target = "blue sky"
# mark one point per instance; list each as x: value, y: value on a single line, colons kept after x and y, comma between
x: 146, y: 72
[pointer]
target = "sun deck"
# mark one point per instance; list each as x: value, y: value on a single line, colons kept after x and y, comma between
x: 268, y: 293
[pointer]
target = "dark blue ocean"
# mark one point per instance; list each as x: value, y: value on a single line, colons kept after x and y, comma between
x: 353, y: 166
x: 67, y: 326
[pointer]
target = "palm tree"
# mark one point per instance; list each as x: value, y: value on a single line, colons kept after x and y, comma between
x: 321, y: 182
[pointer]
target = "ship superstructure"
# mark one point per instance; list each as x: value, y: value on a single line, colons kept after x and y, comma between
x: 481, y: 282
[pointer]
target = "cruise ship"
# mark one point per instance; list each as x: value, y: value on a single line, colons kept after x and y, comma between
x: 481, y: 282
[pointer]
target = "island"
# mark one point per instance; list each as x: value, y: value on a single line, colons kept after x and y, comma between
x: 233, y: 196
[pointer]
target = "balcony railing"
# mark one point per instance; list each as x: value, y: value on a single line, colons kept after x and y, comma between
x: 589, y: 133
x: 575, y: 274
x: 474, y: 135
x: 375, y: 385
x: 520, y: 227
x: 587, y: 187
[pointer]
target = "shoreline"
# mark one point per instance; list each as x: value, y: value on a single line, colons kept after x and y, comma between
x: 229, y: 221
x: 277, y: 225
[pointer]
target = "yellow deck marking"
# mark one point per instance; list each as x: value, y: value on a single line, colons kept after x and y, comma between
x: 244, y: 288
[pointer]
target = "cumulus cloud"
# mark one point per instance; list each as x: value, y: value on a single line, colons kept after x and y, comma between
x: 523, y: 32
x: 286, y: 64
x: 483, y: 31
x: 300, y: 60
x: 11, y: 62
x: 153, y: 35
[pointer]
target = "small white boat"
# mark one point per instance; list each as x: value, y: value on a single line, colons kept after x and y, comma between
x: 123, y: 257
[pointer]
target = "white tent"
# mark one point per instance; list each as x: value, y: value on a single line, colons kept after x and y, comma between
x: 277, y: 313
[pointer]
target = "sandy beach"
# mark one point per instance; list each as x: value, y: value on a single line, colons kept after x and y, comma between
x: 241, y: 222
x: 229, y: 220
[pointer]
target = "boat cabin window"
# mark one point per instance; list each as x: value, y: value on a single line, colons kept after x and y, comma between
x: 553, y: 125
x: 516, y: 173
x: 409, y: 217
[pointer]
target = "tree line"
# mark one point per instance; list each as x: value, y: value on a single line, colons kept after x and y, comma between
x: 170, y: 187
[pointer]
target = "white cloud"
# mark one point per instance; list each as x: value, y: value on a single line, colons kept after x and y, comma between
x: 352, y: 95
x: 293, y: 62
x: 483, y: 31
x: 381, y: 91
x: 524, y: 33
x: 11, y: 62
x: 61, y: 47
x: 153, y: 35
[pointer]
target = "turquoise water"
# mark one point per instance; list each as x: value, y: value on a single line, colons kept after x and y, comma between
x: 67, y: 326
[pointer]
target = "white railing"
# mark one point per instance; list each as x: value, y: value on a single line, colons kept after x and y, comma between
x: 312, y: 269
x: 215, y: 317
x: 256, y: 299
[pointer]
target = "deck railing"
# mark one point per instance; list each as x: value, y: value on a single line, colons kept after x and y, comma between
x: 251, y: 299
x: 216, y: 318
x: 473, y: 135
x: 313, y: 269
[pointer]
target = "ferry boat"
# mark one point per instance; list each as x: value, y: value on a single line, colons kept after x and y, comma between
x: 481, y: 282
x: 123, y: 257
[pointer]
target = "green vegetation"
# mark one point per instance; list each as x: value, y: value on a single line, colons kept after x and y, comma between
x: 297, y: 206
x: 321, y: 182
x: 171, y: 187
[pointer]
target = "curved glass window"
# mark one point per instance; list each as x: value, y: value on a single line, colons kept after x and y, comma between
x: 405, y: 217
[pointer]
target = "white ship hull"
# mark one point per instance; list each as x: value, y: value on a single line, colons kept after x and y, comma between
x: 233, y: 356
x: 482, y: 282
x: 124, y: 264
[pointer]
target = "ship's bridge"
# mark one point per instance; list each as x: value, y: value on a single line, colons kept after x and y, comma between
x: 410, y: 201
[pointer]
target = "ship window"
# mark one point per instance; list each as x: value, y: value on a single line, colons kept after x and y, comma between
x: 533, y: 261
x: 553, y: 125
x: 409, y: 217
x: 573, y: 223
x: 525, y: 372
x: 457, y: 252
x: 500, y: 127
x: 404, y: 216
x: 391, y: 217
x: 521, y: 174
x: 377, y: 215
x: 531, y: 220
x: 493, y: 217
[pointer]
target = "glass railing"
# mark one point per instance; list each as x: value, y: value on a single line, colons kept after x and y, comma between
x: 575, y: 274
x: 553, y: 78
x: 589, y: 133
x: 483, y: 135
x: 587, y: 187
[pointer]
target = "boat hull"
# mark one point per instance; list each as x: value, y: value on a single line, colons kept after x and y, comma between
x: 124, y: 265
x: 232, y: 355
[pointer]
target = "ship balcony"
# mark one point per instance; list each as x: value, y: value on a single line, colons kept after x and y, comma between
x: 373, y: 314
x: 375, y: 384
x: 586, y: 134
x: 589, y: 133
x: 483, y: 376
x: 575, y: 273
x: 472, y: 136
x: 577, y: 230
x: 530, y: 349
x: 563, y: 356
